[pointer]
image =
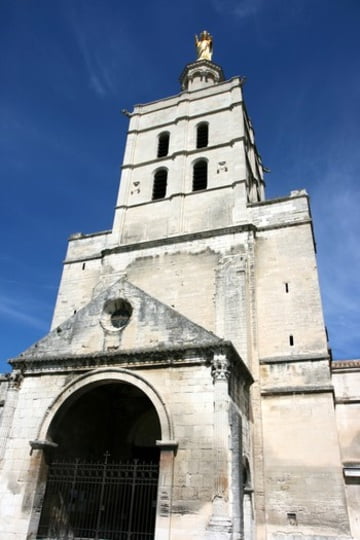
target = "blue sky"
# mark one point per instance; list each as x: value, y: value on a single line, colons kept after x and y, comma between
x: 68, y: 67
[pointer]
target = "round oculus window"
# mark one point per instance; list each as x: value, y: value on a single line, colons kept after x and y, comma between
x: 120, y: 317
x: 116, y: 314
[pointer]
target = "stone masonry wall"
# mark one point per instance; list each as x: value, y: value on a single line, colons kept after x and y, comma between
x: 290, y: 320
x: 205, y: 280
x: 188, y: 394
x: 346, y: 380
x: 303, y: 477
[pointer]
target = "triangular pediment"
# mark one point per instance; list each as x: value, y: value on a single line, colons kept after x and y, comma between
x: 101, y: 327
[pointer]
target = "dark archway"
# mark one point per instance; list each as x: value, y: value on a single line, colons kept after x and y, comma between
x: 114, y: 418
x: 102, y: 479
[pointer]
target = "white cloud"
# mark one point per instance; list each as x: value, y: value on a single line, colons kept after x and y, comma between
x: 11, y: 309
x: 99, y: 43
x: 100, y: 84
x: 238, y: 8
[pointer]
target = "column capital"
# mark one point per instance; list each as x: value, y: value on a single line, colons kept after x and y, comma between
x: 220, y: 367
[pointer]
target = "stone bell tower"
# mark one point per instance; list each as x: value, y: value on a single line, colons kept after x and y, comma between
x: 190, y: 337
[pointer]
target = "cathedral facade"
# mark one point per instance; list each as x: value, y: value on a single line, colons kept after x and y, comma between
x: 186, y: 388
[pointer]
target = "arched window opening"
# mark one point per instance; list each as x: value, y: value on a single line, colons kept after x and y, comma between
x: 160, y: 183
x: 246, y: 479
x: 202, y: 135
x: 163, y: 144
x: 200, y: 175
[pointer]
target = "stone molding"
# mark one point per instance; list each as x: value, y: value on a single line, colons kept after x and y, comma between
x: 286, y: 390
x: 182, y: 117
x: 113, y: 374
x: 276, y: 200
x: 180, y: 238
x: 176, y: 239
x: 272, y: 227
x: 80, y: 235
x: 294, y: 358
x: 347, y: 400
x: 38, y: 444
x: 167, y: 445
x: 213, y: 90
x: 170, y: 157
x: 231, y: 185
x: 351, y: 470
x: 186, y: 355
x: 186, y: 237
x: 345, y: 365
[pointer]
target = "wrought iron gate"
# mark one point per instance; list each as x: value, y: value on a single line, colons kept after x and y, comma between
x: 102, y: 501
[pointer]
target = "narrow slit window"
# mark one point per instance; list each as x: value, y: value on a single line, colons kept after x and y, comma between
x: 291, y: 340
x: 200, y: 175
x: 202, y: 135
x: 163, y: 145
x: 286, y: 287
x: 83, y: 266
x: 160, y: 184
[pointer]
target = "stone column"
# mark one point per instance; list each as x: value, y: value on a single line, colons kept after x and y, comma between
x: 164, y: 497
x: 248, y: 513
x: 220, y: 525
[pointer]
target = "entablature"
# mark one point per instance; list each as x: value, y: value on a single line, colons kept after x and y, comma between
x: 146, y: 358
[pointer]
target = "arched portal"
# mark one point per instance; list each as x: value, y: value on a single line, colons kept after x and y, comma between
x: 103, y: 474
x: 115, y: 418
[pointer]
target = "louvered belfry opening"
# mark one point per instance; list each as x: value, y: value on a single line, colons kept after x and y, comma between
x: 163, y: 145
x: 160, y: 184
x: 103, y: 476
x: 202, y: 135
x: 200, y: 175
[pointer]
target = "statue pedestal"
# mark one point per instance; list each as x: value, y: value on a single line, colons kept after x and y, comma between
x: 200, y: 74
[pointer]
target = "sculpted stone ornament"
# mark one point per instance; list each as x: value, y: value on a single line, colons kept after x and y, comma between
x: 204, y: 46
x: 220, y: 368
x: 15, y: 378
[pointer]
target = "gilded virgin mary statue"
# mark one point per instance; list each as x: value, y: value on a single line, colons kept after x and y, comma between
x: 204, y: 46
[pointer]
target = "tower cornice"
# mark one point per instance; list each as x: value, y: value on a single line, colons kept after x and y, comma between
x: 200, y: 74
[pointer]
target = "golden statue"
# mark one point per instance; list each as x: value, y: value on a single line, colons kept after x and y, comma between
x: 204, y: 46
